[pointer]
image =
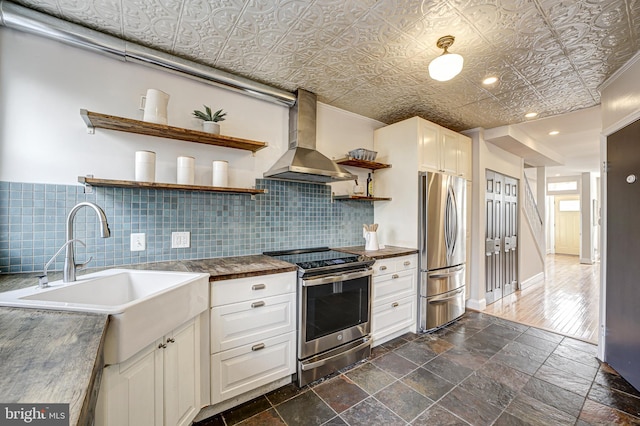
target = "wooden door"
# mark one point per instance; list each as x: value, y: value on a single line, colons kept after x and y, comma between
x: 567, y: 224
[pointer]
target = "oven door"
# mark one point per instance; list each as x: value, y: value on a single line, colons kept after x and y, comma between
x: 333, y: 310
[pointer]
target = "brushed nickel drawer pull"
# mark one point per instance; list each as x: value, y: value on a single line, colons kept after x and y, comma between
x: 257, y: 304
x: 257, y: 347
x: 383, y: 268
x: 394, y: 276
x: 407, y: 263
x: 171, y: 340
x: 395, y: 304
x: 258, y: 287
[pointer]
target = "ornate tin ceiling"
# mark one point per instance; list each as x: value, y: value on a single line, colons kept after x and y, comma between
x: 371, y: 56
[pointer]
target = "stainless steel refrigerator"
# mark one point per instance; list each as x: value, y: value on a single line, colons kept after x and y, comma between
x: 441, y: 239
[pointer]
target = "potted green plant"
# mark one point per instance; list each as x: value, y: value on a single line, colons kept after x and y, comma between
x: 210, y: 121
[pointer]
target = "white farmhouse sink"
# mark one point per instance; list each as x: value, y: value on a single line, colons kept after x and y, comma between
x: 143, y: 305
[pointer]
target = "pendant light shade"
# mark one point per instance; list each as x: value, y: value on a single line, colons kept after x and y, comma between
x: 447, y: 65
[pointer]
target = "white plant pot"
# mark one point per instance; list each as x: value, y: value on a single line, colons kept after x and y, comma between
x: 211, y: 127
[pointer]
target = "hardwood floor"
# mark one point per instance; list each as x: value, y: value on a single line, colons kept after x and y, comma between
x: 566, y: 301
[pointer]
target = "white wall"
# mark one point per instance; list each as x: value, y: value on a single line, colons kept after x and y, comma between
x: 44, y: 84
x: 620, y: 97
x: 487, y: 156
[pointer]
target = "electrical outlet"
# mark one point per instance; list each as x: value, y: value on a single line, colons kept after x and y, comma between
x: 138, y: 242
x: 180, y: 239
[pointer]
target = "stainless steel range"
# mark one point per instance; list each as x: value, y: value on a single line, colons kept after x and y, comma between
x: 334, y: 309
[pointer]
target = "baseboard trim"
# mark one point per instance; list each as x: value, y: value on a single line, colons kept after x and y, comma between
x: 477, y: 304
x: 586, y: 261
x: 532, y: 280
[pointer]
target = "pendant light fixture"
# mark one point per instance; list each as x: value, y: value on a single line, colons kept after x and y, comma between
x: 447, y: 65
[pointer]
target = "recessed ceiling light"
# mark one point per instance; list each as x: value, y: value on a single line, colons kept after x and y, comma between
x: 531, y: 114
x: 489, y: 80
x: 553, y: 132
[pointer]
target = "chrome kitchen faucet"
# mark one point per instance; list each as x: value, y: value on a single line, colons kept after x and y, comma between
x: 69, y: 273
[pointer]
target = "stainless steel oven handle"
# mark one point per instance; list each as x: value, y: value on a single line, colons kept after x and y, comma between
x: 335, y: 278
x: 322, y: 362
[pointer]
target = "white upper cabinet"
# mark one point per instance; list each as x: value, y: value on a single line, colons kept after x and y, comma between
x: 443, y: 150
x: 425, y: 146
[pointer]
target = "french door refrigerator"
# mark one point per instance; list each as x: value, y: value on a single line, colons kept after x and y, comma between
x: 442, y: 252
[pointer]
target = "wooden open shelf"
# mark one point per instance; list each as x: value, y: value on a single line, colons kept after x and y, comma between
x: 85, y: 180
x: 360, y: 198
x: 371, y: 165
x: 112, y: 122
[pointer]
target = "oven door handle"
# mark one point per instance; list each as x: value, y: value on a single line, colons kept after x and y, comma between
x: 311, y: 366
x: 336, y: 278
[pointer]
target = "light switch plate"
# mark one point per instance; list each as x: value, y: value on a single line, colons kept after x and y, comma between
x: 180, y: 239
x: 138, y: 242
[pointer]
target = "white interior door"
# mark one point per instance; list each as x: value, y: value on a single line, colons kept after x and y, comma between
x: 567, y: 224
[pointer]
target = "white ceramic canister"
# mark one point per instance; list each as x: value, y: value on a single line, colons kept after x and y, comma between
x: 145, y: 166
x: 221, y: 173
x: 154, y: 105
x: 186, y: 170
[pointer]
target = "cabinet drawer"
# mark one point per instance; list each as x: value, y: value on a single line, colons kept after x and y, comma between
x: 393, y: 316
x: 395, y: 264
x: 406, y: 262
x: 241, y: 323
x: 242, y: 289
x: 242, y: 369
x: 384, y: 267
x: 394, y: 286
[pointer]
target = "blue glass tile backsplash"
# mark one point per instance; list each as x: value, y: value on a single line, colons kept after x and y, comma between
x: 290, y: 215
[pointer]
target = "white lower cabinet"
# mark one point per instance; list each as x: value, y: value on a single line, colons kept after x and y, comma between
x: 253, y: 333
x: 247, y: 367
x: 160, y: 385
x: 394, y: 305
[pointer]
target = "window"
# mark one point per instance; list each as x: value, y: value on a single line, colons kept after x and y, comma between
x: 569, y: 205
x: 562, y: 186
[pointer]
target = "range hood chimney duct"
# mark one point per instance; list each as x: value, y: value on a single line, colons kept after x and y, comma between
x: 302, y: 162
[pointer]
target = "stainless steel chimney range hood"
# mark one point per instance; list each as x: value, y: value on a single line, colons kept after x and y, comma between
x: 302, y: 162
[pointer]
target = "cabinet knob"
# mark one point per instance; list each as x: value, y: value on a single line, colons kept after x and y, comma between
x: 257, y: 304
x: 162, y: 345
x: 394, y: 276
x: 258, y: 287
x: 171, y: 340
x: 383, y: 268
x: 407, y: 263
x: 395, y: 304
x: 257, y: 347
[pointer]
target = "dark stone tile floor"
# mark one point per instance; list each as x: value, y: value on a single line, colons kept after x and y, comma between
x: 480, y: 370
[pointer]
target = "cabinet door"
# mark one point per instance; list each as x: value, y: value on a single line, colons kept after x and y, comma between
x: 131, y: 392
x: 464, y: 157
x: 245, y: 322
x: 245, y: 368
x: 182, y: 374
x: 429, y: 146
x: 393, y: 317
x: 391, y: 287
x: 449, y: 146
